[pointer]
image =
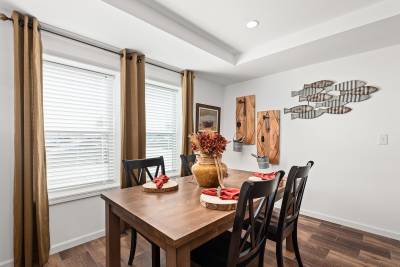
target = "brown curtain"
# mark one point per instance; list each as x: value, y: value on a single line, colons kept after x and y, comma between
x: 31, y: 210
x: 187, y: 111
x: 133, y: 119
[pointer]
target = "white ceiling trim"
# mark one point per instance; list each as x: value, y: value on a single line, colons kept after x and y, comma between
x: 166, y: 20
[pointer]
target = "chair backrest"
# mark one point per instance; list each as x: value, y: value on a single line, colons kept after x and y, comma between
x: 136, y: 170
x: 310, y: 163
x: 293, y: 196
x: 187, y: 163
x: 245, y: 247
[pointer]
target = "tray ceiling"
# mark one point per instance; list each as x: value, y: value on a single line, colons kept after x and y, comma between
x: 210, y: 37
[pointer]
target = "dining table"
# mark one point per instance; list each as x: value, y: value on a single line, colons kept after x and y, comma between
x: 173, y: 221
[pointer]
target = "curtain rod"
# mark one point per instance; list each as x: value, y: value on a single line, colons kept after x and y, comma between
x: 4, y: 17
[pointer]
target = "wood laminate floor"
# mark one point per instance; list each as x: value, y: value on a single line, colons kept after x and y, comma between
x: 321, y: 244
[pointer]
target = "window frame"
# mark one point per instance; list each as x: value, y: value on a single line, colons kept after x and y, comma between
x: 75, y: 192
x: 178, y: 119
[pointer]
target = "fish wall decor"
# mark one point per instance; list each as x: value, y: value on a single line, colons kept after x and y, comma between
x: 342, y: 100
x: 345, y: 86
x: 312, y: 88
x: 338, y: 110
x: 363, y: 90
x: 307, y: 91
x: 308, y: 115
x: 316, y: 98
x: 319, y: 84
x: 328, y: 97
x: 298, y: 109
x: 318, y: 112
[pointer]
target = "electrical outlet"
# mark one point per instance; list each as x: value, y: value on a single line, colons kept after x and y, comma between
x: 383, y: 139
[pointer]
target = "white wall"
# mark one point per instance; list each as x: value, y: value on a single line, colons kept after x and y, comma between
x: 354, y: 181
x: 209, y: 93
x: 74, y: 222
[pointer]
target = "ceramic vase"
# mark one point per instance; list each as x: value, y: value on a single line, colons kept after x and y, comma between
x: 205, y: 171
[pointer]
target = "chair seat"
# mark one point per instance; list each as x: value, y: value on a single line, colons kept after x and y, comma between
x: 272, y: 231
x: 273, y: 226
x: 214, y: 253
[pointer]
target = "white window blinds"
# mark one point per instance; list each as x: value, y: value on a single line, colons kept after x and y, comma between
x: 79, y: 122
x: 162, y: 121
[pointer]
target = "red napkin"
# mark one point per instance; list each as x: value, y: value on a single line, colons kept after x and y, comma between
x: 226, y: 193
x: 265, y: 176
x: 160, y: 181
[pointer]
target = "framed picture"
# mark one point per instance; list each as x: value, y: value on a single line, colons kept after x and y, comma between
x: 207, y: 117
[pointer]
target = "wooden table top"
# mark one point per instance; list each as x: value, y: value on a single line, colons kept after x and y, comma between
x: 176, y: 217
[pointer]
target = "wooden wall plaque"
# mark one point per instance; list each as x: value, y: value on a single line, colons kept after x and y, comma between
x: 245, y: 112
x: 268, y: 135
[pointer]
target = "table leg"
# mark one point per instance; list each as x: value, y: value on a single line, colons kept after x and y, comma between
x: 178, y: 257
x: 155, y: 255
x: 113, y: 246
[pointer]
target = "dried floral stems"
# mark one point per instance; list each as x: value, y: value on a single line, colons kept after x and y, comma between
x: 208, y: 142
x: 220, y: 171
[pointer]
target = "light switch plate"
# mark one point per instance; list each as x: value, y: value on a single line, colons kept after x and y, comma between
x: 383, y: 139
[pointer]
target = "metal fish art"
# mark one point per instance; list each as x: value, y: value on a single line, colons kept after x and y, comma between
x: 308, y: 115
x: 342, y: 100
x: 298, y: 109
x: 312, y: 88
x: 316, y: 98
x: 318, y: 112
x: 338, y: 110
x: 363, y: 90
x: 307, y: 91
x: 319, y: 84
x: 345, y: 85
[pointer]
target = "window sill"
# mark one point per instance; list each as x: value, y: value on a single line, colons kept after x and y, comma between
x: 67, y: 195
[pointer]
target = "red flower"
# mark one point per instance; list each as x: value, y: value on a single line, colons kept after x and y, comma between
x: 208, y: 142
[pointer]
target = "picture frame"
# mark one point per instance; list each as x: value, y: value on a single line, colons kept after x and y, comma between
x: 208, y: 117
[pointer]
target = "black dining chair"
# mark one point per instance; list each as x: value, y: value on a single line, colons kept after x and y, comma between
x: 286, y: 224
x: 136, y: 170
x: 187, y: 162
x: 136, y: 173
x: 240, y: 247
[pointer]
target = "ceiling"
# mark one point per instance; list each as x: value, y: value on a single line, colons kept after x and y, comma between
x: 210, y: 36
x: 227, y: 19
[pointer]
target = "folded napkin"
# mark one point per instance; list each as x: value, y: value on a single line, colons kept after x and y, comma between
x: 160, y: 181
x: 265, y: 176
x: 225, y: 194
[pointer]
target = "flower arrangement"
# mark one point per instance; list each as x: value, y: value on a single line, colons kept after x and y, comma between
x: 208, y: 142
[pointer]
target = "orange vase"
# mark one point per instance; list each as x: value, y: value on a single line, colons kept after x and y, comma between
x: 205, y: 171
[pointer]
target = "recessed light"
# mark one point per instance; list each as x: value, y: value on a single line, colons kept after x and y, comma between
x: 252, y: 24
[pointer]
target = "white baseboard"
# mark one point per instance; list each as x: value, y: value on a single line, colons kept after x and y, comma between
x: 7, y: 263
x: 352, y: 224
x: 75, y: 241
x: 64, y: 245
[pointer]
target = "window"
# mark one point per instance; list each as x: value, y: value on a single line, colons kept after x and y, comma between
x: 162, y: 124
x: 81, y: 118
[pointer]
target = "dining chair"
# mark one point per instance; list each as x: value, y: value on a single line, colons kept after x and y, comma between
x: 136, y: 172
x: 285, y: 225
x: 137, y: 169
x: 240, y: 247
x: 187, y: 163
